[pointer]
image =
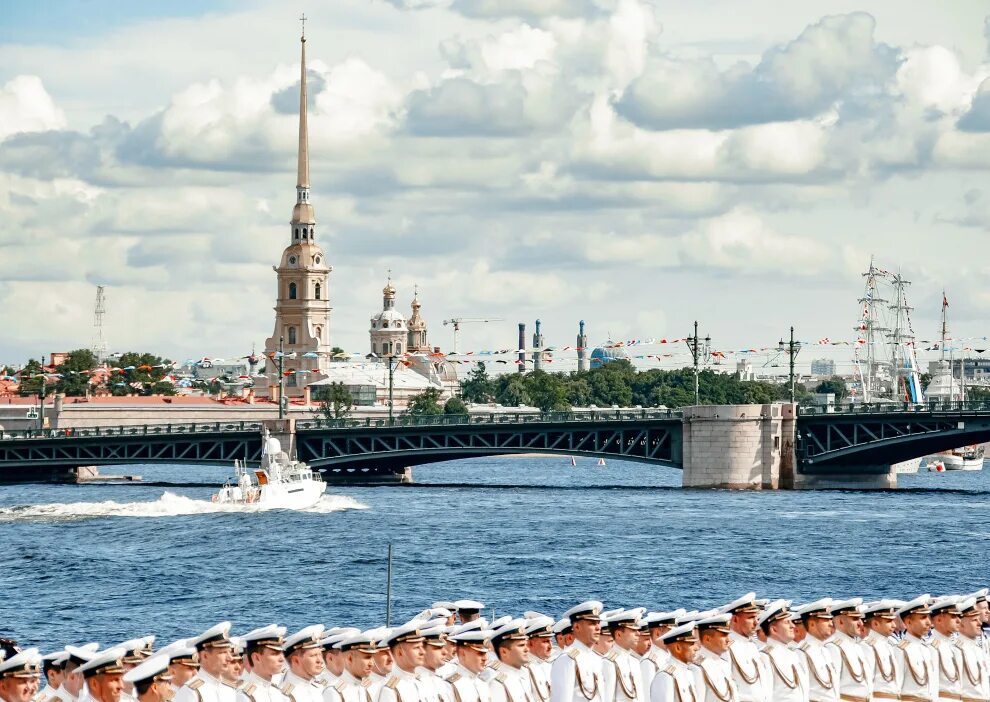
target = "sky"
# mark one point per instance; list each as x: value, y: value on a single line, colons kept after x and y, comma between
x: 637, y: 164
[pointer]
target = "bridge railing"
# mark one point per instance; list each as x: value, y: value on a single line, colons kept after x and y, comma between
x: 133, y: 430
x: 407, y: 420
x: 934, y: 406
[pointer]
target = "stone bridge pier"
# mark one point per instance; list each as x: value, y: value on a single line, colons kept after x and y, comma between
x: 752, y: 447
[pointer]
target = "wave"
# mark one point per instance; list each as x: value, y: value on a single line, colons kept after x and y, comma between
x: 168, y: 505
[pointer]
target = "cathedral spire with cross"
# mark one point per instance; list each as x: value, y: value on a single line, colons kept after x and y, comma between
x: 302, y: 306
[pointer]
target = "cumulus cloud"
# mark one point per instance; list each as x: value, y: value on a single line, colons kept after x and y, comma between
x: 529, y: 9
x: 837, y: 59
x: 25, y: 106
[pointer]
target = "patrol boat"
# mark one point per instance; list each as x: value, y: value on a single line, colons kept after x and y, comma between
x: 279, y: 483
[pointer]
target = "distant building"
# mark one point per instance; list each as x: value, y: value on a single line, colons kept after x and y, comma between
x: 823, y: 367
x: 606, y: 353
x: 744, y: 370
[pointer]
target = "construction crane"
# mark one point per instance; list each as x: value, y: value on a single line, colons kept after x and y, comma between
x: 458, y: 321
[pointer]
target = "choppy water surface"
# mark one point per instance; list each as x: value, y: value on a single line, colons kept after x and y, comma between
x: 106, y: 562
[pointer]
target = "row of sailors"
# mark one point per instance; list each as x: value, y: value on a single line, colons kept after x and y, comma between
x: 750, y: 650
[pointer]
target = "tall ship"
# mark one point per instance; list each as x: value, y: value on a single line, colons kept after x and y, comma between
x: 945, y: 389
x: 884, y: 352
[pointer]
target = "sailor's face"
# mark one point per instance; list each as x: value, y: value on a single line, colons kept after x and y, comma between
x: 918, y: 624
x: 540, y: 647
x: 587, y: 631
x: 971, y: 626
x: 642, y: 643
x: 471, y: 658
x: 783, y: 630
x: 744, y: 623
x: 359, y: 664
x: 74, y: 682
x: 984, y: 609
x: 883, y: 626
x: 717, y: 642
x: 514, y: 652
x: 18, y: 689
x: 383, y: 661
x: 107, y: 687
x: 309, y: 661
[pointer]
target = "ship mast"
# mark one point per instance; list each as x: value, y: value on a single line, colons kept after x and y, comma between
x: 902, y: 353
x: 871, y: 328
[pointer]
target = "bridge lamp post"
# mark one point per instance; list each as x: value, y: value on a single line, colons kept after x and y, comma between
x: 281, y: 377
x: 793, y: 349
x: 390, y: 359
x: 696, y: 353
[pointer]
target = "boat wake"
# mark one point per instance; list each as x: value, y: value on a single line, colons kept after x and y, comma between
x: 168, y: 505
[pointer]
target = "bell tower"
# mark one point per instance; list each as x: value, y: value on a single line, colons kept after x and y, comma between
x: 302, y: 307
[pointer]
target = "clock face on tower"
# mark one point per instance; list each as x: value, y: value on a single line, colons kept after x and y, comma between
x: 292, y: 260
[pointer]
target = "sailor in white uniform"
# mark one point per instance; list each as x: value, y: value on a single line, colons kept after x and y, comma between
x: 539, y: 631
x: 354, y: 683
x: 468, y: 610
x: 511, y: 682
x: 213, y: 649
x: 265, y: 660
x: 472, y: 648
x: 984, y: 613
x: 73, y: 683
x: 676, y: 682
x: 182, y: 663
x: 151, y: 680
x: 822, y: 676
x: 20, y: 676
x: 304, y: 655
x: 881, y: 617
x: 406, y: 644
x: 713, y: 673
x: 381, y: 662
x: 782, y: 664
x: 945, y: 623
x: 138, y: 650
x: 915, y: 658
x: 333, y: 659
x: 744, y: 654
x: 974, y: 679
x: 563, y: 636
x: 434, y: 687
x: 576, y: 675
x: 621, y: 672
x: 855, y: 684
x: 52, y: 672
x: 656, y: 656
x: 104, y: 674
x: 605, y: 639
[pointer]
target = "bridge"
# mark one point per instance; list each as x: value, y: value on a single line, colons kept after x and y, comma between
x: 735, y: 446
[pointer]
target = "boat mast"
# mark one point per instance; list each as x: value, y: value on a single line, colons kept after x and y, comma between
x: 871, y: 328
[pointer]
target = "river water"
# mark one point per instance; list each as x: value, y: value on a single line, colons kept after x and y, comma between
x: 108, y: 562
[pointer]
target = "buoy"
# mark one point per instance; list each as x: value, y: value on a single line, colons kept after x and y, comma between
x: 573, y: 461
x: 601, y: 461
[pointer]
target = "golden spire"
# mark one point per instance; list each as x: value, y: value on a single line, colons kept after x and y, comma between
x: 303, y: 175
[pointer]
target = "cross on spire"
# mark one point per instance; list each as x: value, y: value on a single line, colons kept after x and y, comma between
x: 302, y: 19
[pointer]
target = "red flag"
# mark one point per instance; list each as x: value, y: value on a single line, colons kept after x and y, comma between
x: 945, y: 301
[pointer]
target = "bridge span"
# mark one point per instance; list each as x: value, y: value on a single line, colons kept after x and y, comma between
x: 776, y: 446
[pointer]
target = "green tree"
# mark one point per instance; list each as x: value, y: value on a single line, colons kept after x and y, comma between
x: 547, y: 391
x: 30, y: 379
x: 510, y: 390
x: 336, y: 402
x: 338, y: 354
x: 455, y: 405
x: 141, y: 374
x: 834, y: 385
x: 578, y: 391
x: 426, y: 403
x: 75, y: 372
x: 478, y: 386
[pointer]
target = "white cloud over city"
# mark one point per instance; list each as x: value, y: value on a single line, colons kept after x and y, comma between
x: 633, y: 163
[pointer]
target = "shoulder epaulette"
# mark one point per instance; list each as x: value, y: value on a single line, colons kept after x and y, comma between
x: 392, y: 682
x: 366, y: 682
x: 501, y: 677
x: 195, y: 683
x: 249, y: 689
x: 495, y: 665
x: 454, y: 677
x: 935, y: 643
x: 611, y: 656
x: 288, y: 688
x: 573, y: 653
x: 804, y: 645
x: 339, y: 687
x: 903, y: 644
x: 236, y: 686
x: 669, y: 670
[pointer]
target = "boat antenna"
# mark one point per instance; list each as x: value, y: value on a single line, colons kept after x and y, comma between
x: 388, y: 589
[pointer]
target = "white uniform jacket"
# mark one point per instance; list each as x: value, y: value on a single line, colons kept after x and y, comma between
x: 299, y: 689
x: 538, y: 671
x: 823, y: 678
x: 919, y: 682
x: 747, y: 671
x: 256, y: 689
x: 466, y: 686
x: 974, y: 678
x: 849, y: 659
x: 652, y: 662
x: 785, y: 672
x: 510, y: 685
x: 713, y: 678
x: 402, y: 686
x: 675, y: 683
x: 203, y: 687
x: 622, y: 676
x: 347, y: 688
x: 576, y: 675
x: 882, y: 666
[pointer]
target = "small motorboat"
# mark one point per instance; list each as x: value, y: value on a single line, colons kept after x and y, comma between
x: 279, y: 483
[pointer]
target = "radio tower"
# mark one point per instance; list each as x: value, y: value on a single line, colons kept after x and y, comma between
x: 99, y: 342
